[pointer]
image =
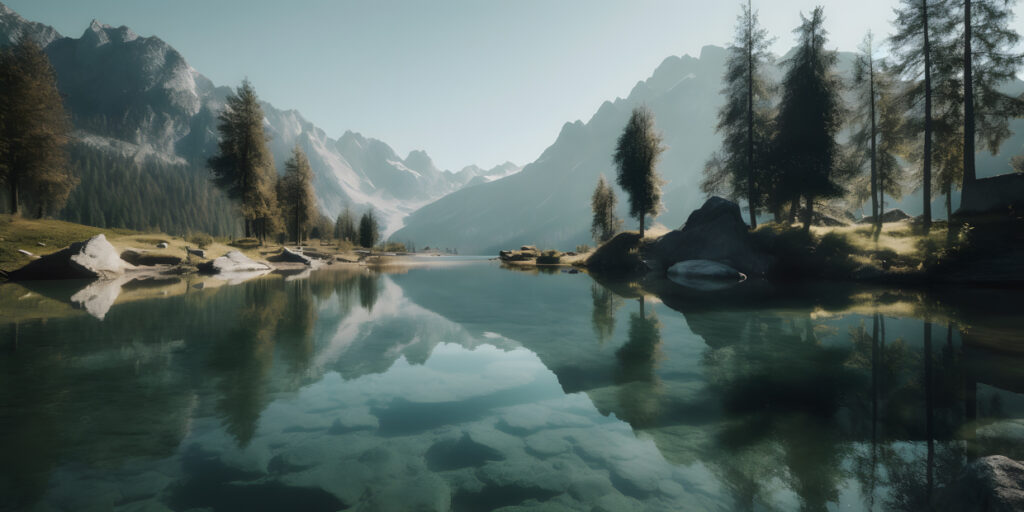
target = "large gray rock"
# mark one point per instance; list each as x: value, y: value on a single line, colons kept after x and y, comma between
x: 91, y: 259
x: 715, y: 232
x: 232, y: 262
x: 288, y: 255
x: 989, y: 484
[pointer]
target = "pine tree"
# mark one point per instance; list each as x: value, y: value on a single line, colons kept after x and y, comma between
x: 345, y: 226
x: 244, y: 167
x: 744, y: 120
x: 866, y: 77
x: 986, y: 53
x: 602, y: 203
x: 636, y: 156
x: 810, y: 115
x: 296, y: 196
x: 918, y: 32
x: 34, y: 129
x: 368, y: 230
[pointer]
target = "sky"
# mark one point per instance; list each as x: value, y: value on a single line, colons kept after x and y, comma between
x: 468, y: 81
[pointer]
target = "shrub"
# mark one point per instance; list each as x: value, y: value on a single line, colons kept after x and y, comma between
x: 201, y: 239
x: 582, y: 249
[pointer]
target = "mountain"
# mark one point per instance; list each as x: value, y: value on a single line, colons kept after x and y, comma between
x: 548, y: 203
x: 136, y: 97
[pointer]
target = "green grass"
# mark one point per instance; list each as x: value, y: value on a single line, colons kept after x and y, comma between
x: 21, y: 233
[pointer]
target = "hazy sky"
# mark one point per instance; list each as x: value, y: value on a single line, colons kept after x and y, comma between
x: 469, y: 81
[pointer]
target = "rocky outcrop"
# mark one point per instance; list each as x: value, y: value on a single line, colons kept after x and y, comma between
x: 525, y: 253
x: 989, y: 484
x: 618, y: 256
x: 91, y: 259
x: 232, y: 262
x: 714, y: 232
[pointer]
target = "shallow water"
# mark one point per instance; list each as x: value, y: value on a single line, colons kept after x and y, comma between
x: 470, y: 387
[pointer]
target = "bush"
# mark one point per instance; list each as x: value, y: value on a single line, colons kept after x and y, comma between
x: 200, y: 239
x: 582, y: 249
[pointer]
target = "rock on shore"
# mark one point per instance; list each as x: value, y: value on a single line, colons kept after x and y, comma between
x: 90, y: 259
x: 232, y: 262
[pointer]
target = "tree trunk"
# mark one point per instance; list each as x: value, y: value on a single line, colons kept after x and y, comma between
x: 642, y: 226
x: 794, y: 207
x: 14, y: 195
x: 751, y: 200
x: 808, y: 214
x: 874, y: 135
x: 969, y: 172
x: 927, y: 196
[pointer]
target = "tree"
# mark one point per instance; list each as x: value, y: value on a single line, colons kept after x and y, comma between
x: 744, y: 120
x: 913, y: 46
x: 810, y: 115
x: 34, y: 129
x: 345, y: 226
x: 296, y: 196
x: 369, y: 232
x: 244, y: 167
x: 987, y: 109
x: 636, y: 156
x: 865, y: 139
x: 602, y: 202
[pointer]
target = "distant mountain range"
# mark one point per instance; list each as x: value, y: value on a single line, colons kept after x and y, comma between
x: 137, y: 97
x: 548, y: 203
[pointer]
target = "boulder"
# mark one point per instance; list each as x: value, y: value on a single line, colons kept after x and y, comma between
x: 162, y: 245
x: 618, y: 256
x: 526, y: 253
x: 290, y: 256
x: 231, y: 262
x: 894, y: 215
x: 714, y: 232
x: 197, y: 252
x: 144, y: 258
x: 990, y: 484
x: 91, y: 259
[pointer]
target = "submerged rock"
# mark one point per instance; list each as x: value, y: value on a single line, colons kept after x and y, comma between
x: 990, y: 484
x: 232, y: 262
x: 93, y: 258
x: 704, y: 274
x: 714, y: 232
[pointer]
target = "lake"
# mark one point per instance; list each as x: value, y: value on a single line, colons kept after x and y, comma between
x: 466, y: 386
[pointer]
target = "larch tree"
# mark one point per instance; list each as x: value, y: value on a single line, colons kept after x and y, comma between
x: 243, y: 166
x: 296, y: 196
x: 918, y: 27
x: 636, y: 157
x: 809, y: 117
x: 866, y: 77
x: 602, y: 203
x: 738, y: 169
x: 34, y: 130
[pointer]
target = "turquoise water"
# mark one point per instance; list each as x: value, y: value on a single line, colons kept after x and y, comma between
x: 471, y: 387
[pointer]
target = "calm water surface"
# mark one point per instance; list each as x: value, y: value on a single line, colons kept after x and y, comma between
x: 469, y: 387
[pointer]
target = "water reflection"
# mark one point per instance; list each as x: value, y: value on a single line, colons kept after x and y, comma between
x: 418, y: 384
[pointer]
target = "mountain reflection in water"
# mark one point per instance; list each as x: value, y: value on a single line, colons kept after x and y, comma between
x: 469, y: 387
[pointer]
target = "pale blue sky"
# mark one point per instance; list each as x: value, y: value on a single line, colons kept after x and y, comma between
x: 469, y: 81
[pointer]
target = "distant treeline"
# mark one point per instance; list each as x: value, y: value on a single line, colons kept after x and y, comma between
x: 117, y: 192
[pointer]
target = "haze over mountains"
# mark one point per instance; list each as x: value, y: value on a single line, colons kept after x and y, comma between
x: 138, y: 97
